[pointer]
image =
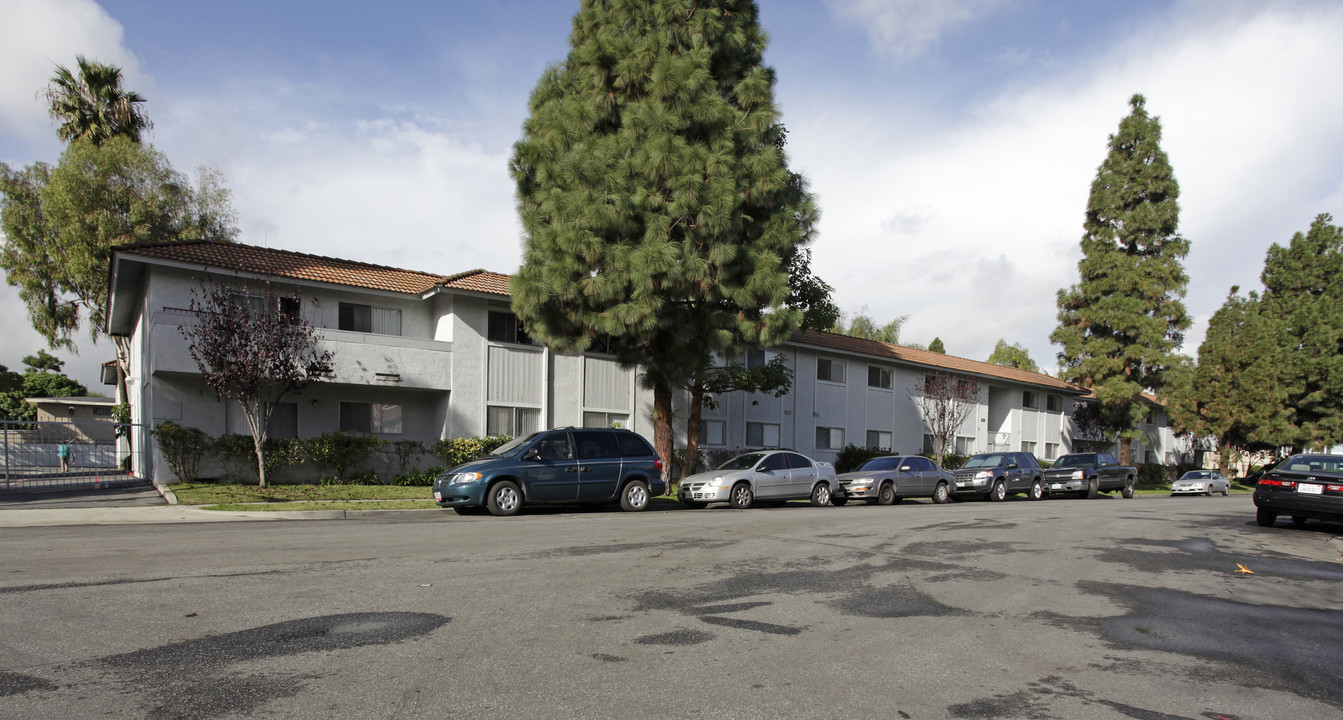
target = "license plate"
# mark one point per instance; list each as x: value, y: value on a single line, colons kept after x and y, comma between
x: 1310, y: 489
x: 1055, y: 486
x: 438, y: 495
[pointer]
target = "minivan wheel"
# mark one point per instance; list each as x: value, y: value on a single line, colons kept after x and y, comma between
x: 1037, y: 491
x: 1265, y: 517
x: 504, y: 498
x: 741, y: 496
x: 886, y: 496
x: 941, y: 494
x: 999, y: 491
x: 635, y: 496
x: 820, y: 495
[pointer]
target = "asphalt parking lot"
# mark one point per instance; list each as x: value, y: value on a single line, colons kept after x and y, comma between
x: 1061, y: 609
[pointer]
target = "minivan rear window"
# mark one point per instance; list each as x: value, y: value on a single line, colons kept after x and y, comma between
x: 632, y: 445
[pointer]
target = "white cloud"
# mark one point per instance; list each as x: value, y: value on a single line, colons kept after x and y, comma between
x: 907, y: 28
x: 41, y: 34
x: 971, y: 228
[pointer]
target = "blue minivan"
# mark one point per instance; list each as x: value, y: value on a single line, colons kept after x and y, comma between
x: 561, y: 466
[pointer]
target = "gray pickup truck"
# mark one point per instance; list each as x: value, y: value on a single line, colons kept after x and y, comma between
x: 1088, y: 474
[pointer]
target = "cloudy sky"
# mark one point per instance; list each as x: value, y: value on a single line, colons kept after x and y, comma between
x: 951, y: 143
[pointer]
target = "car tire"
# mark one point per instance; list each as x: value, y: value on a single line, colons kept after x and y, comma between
x: 1265, y: 517
x: 741, y: 496
x: 1298, y: 521
x: 998, y: 492
x: 886, y: 495
x: 1129, y: 487
x: 1037, y: 491
x: 820, y: 495
x: 1226, y: 489
x: 941, y: 494
x: 634, y: 497
x: 1093, y: 488
x: 503, y: 498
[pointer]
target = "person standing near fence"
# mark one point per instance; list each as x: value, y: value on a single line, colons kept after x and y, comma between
x: 63, y: 452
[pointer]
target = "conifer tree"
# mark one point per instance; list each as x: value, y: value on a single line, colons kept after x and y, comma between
x: 1234, y: 393
x: 1303, y: 296
x: 937, y: 346
x: 655, y: 196
x: 1121, y: 325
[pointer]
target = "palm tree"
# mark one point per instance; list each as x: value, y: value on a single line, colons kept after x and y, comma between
x: 93, y: 106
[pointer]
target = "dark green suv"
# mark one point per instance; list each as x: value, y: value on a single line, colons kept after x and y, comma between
x: 562, y: 466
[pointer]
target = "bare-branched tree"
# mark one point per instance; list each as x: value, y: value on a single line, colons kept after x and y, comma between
x: 946, y: 402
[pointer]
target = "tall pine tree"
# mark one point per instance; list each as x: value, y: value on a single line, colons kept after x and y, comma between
x: 1121, y: 324
x: 1303, y: 296
x: 655, y: 196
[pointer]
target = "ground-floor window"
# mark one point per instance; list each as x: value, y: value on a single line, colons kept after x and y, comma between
x: 605, y: 419
x: 1027, y: 446
x: 1051, y: 451
x: 712, y: 432
x: 965, y: 446
x: 512, y: 421
x: 383, y: 418
x: 829, y: 438
x: 283, y: 421
x: 762, y: 435
x: 878, y: 440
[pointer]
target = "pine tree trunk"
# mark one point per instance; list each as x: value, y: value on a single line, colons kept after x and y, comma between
x: 662, y: 430
x: 692, y: 435
x: 1125, y: 451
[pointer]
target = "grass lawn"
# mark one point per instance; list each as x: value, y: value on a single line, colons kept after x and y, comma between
x: 212, y: 494
x: 327, y: 505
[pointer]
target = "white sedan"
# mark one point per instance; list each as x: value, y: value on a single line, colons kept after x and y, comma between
x: 1201, y: 482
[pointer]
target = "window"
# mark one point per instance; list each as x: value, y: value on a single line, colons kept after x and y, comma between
x: 829, y: 438
x: 929, y: 445
x: 1153, y: 416
x: 878, y: 440
x: 879, y: 377
x: 1029, y: 399
x: 601, y: 345
x: 965, y: 446
x: 1053, y: 403
x: 1151, y: 456
x: 596, y: 445
x: 369, y: 418
x: 632, y: 445
x: 283, y: 421
x: 830, y: 370
x: 712, y: 432
x: 1051, y: 451
x: 755, y: 359
x: 512, y: 421
x: 1028, y: 447
x: 777, y: 461
x: 605, y: 419
x: 368, y: 319
x: 505, y: 327
x: 762, y: 435
x: 922, y: 463
x: 102, y: 412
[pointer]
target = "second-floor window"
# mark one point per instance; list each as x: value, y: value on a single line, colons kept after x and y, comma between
x: 879, y: 377
x: 1053, y: 403
x: 830, y: 370
x: 368, y: 319
x: 1029, y: 399
x: 505, y: 327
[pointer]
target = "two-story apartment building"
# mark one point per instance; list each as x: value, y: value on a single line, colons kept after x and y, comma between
x: 425, y: 356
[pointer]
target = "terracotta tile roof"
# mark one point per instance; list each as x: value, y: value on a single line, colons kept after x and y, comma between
x: 478, y: 281
x: 931, y: 359
x: 287, y: 264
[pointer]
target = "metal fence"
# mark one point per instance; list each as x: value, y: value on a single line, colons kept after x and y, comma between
x: 60, y: 455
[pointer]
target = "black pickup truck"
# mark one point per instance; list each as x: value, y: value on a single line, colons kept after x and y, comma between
x: 1088, y: 474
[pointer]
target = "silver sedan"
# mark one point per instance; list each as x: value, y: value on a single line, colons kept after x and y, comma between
x: 1201, y: 482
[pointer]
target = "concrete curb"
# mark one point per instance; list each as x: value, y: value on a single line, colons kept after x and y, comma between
x: 167, y: 494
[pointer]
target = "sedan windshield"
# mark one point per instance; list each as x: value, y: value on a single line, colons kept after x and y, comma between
x: 1196, y: 475
x: 879, y: 464
x: 1067, y: 460
x: 743, y: 462
x: 984, y: 461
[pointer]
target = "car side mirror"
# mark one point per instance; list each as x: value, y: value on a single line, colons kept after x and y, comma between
x: 532, y: 455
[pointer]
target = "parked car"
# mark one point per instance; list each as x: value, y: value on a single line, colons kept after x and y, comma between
x: 565, y: 465
x: 1087, y: 474
x: 1201, y: 482
x: 1304, y: 487
x: 774, y: 476
x: 999, y: 474
x: 888, y: 479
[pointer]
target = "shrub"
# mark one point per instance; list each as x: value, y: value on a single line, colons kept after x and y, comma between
x: 852, y: 457
x: 455, y: 451
x: 182, y: 447
x: 418, y: 478
x: 951, y: 462
x: 341, y: 452
x: 406, y: 450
